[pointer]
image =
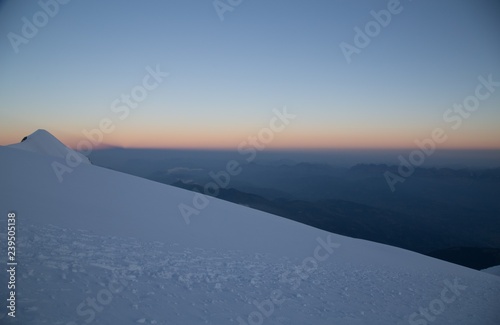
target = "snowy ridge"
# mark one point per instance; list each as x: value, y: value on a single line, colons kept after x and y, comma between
x: 45, y: 143
x: 495, y: 270
x: 108, y: 248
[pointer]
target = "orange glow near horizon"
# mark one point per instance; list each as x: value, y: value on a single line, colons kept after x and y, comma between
x: 229, y: 139
x: 312, y: 142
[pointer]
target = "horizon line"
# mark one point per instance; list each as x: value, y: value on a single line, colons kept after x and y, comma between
x: 107, y: 147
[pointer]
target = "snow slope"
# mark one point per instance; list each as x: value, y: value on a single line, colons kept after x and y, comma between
x: 495, y: 270
x: 103, y: 247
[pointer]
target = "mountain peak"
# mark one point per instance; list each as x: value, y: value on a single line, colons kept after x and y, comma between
x: 43, y: 142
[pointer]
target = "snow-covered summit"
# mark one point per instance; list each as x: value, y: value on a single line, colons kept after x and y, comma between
x: 41, y: 141
x: 104, y: 247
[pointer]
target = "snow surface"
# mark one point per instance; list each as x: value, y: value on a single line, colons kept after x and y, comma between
x: 103, y: 247
x: 495, y: 270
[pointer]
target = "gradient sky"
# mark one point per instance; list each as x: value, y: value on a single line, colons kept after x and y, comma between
x: 225, y: 77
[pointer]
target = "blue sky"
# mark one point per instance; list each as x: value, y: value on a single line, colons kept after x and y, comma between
x: 225, y: 77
